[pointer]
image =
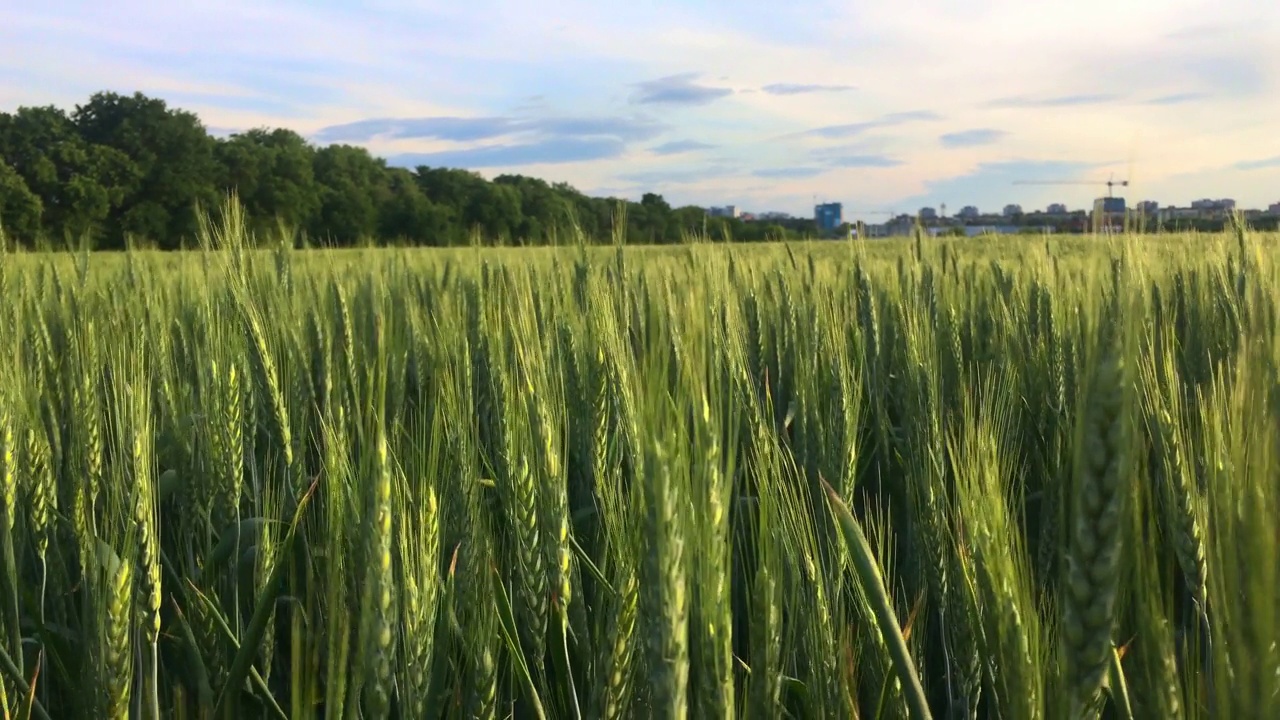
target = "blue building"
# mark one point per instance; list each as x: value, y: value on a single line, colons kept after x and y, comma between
x: 1109, y: 205
x: 1109, y: 213
x: 828, y: 216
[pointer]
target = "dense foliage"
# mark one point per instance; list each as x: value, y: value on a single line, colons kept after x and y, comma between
x: 129, y: 169
x: 997, y: 479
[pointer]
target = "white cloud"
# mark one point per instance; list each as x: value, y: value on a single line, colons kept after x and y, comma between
x: 1187, y: 101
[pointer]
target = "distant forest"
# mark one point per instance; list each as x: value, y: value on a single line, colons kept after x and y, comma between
x: 132, y: 167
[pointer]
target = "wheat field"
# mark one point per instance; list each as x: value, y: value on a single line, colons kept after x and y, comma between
x: 1031, y: 478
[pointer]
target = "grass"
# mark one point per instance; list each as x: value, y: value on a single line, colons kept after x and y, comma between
x: 1010, y: 478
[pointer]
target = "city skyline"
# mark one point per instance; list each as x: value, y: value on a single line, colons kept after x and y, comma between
x: 835, y: 208
x: 752, y: 103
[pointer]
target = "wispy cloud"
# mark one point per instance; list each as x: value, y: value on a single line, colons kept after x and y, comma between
x: 971, y: 138
x: 551, y: 151
x: 678, y: 90
x: 850, y: 129
x: 1271, y: 162
x: 789, y: 172
x: 458, y: 129
x: 862, y: 161
x: 675, y: 147
x: 682, y: 176
x: 1238, y: 73
x: 801, y: 88
x: 990, y: 185
x: 1026, y: 101
x: 1216, y: 63
x: 1177, y: 98
x: 607, y: 96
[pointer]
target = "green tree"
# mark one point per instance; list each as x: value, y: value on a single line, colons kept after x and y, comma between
x: 405, y: 212
x: 79, y: 184
x: 475, y: 204
x: 544, y: 211
x: 594, y: 216
x: 273, y: 174
x: 352, y: 183
x: 19, y: 207
x: 174, y: 157
x: 494, y: 210
x: 123, y: 165
x: 692, y: 221
x: 652, y: 222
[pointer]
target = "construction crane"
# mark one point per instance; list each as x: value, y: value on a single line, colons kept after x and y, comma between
x: 1105, y: 210
x: 1110, y: 183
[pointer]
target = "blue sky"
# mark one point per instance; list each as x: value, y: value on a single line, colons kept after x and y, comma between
x: 766, y: 105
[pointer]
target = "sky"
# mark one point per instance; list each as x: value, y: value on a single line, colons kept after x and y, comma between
x: 883, y: 106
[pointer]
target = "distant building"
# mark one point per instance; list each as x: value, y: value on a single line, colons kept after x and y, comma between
x: 828, y: 216
x: 900, y: 226
x: 1109, y: 205
x: 1177, y: 213
x: 1012, y: 209
x: 1148, y: 207
x: 728, y: 211
x: 1273, y: 209
x: 1108, y: 213
x: 968, y: 211
x: 773, y: 215
x: 928, y: 213
x: 1056, y: 209
x: 1208, y: 209
x: 1224, y: 204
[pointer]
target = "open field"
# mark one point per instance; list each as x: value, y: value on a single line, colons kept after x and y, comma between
x: 1018, y: 478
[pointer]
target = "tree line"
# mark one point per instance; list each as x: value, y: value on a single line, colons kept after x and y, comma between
x: 131, y: 169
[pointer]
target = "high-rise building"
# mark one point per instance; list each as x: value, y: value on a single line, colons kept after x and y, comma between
x: 1273, y: 209
x: 968, y: 211
x: 1148, y: 207
x: 1056, y: 209
x: 729, y: 211
x: 828, y: 216
x: 1209, y: 204
x: 1012, y: 209
x: 1109, y: 205
x: 928, y: 213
